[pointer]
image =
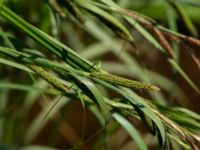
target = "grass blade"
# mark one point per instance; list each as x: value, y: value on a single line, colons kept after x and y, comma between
x: 94, y: 94
x: 130, y: 130
x: 108, y: 19
x: 57, y: 48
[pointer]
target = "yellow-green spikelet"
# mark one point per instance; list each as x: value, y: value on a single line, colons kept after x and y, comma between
x: 49, y: 78
x: 113, y: 79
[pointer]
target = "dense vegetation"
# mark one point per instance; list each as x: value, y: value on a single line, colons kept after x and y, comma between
x: 99, y: 74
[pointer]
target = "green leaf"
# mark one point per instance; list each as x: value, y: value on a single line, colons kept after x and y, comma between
x: 23, y: 87
x: 98, y: 115
x: 14, y: 64
x: 184, y: 16
x: 171, y: 19
x: 189, y: 113
x: 72, y: 9
x: 195, y: 3
x: 90, y: 90
x: 143, y: 106
x: 5, y: 36
x: 184, y: 75
x: 130, y: 130
x: 39, y: 121
x: 178, y: 143
x: 108, y: 19
x: 185, y: 121
x: 152, y: 40
x: 185, y: 118
x: 54, y: 46
x: 16, y: 86
x: 41, y: 61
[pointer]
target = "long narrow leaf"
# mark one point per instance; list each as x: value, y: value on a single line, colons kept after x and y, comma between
x: 131, y: 131
x: 96, y: 95
x: 57, y: 48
